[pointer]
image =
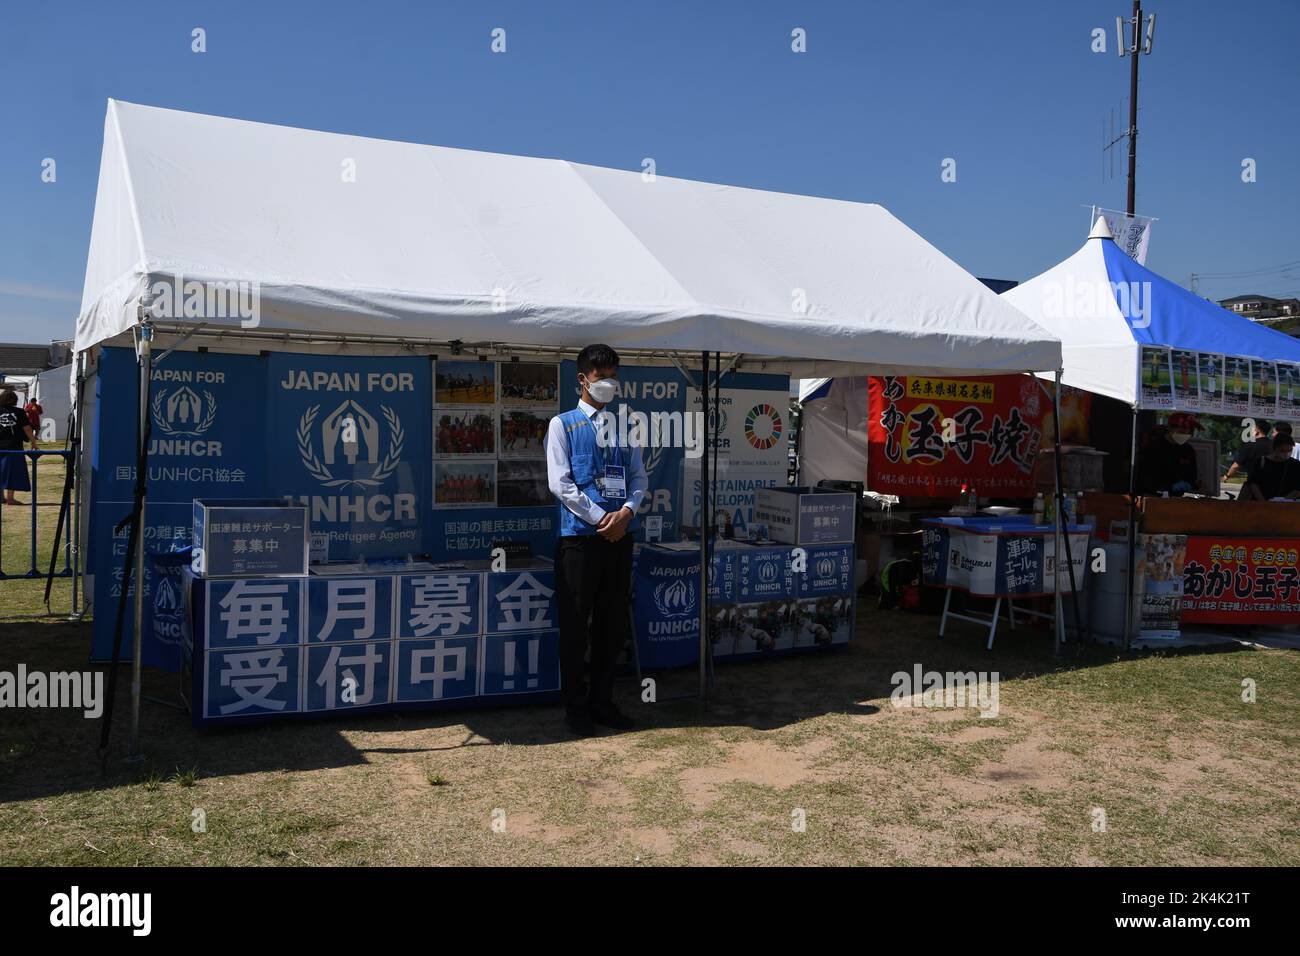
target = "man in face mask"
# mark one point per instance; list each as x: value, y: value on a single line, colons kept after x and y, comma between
x: 599, y: 479
x: 1168, y: 464
x: 1276, y: 475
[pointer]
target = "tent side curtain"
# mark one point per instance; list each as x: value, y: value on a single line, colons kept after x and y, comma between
x: 347, y: 236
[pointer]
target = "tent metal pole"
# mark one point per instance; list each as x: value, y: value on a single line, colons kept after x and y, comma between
x: 1130, y: 580
x: 705, y: 506
x: 79, y: 420
x: 137, y: 626
x: 1058, y: 606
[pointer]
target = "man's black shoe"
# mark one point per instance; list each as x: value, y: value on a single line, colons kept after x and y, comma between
x: 612, y: 717
x: 578, y: 720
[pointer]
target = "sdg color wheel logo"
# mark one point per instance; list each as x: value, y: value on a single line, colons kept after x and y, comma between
x: 763, y: 426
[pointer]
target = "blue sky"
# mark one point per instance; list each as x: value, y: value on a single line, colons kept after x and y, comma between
x: 712, y: 91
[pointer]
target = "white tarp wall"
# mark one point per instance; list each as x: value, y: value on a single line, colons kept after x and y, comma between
x: 53, y: 391
x: 351, y: 236
x: 833, y: 433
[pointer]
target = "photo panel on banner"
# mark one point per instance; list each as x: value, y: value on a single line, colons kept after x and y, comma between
x: 1288, y: 391
x: 530, y: 384
x: 1211, y: 383
x: 1187, y: 392
x: 1156, y: 378
x: 1263, y: 389
x: 490, y: 485
x: 464, y: 382
x: 1236, y: 385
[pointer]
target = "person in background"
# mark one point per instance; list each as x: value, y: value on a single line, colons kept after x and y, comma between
x: 1166, y: 465
x: 15, y: 430
x: 1284, y: 428
x: 1251, y: 450
x: 34, y: 412
x: 599, y: 483
x: 1276, y: 475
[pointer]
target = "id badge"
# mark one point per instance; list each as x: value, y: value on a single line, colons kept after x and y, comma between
x: 615, y: 482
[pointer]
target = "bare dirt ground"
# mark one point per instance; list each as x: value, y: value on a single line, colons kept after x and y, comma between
x: 1091, y: 760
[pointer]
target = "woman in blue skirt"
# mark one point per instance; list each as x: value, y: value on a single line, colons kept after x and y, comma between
x: 14, y: 432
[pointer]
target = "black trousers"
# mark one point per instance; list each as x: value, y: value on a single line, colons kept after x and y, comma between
x: 592, y: 587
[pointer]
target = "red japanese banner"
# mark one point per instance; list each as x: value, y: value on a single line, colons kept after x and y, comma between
x: 1228, y: 580
x: 929, y: 435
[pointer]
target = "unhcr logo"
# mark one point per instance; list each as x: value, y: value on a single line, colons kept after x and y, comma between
x: 675, y: 598
x: 350, y: 435
x: 182, y: 412
x: 175, y: 297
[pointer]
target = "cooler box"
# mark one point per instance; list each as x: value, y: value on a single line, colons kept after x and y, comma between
x: 806, y: 515
x: 249, y: 537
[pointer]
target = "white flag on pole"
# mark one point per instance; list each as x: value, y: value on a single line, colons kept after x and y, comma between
x: 1131, y: 233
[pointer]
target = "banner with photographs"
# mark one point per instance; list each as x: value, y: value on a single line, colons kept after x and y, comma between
x: 1215, y: 384
x: 489, y: 471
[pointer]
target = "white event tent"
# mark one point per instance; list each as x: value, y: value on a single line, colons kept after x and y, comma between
x: 358, y: 244
x: 359, y: 237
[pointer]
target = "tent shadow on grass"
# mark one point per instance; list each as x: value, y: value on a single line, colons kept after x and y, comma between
x: 49, y: 752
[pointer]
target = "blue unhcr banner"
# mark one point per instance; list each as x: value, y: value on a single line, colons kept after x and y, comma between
x: 203, y: 444
x: 350, y: 438
x: 666, y: 607
x: 759, y: 603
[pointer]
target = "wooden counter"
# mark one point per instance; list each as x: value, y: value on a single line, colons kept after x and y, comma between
x: 1273, y: 519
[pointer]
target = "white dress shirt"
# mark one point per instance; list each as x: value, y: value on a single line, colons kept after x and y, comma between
x: 560, y: 478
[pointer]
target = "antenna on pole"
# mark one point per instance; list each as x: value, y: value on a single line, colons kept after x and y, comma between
x: 1136, y: 36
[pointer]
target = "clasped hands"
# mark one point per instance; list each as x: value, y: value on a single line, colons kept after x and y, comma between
x: 614, y: 525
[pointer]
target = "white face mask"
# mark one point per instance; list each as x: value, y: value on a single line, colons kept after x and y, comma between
x: 603, y: 391
x: 1180, y: 438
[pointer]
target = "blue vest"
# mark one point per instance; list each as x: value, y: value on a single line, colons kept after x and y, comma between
x: 587, y: 461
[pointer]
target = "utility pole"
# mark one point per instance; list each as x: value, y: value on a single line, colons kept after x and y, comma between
x: 1133, y: 111
x: 1132, y: 43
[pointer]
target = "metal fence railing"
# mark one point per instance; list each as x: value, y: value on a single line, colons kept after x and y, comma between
x: 10, y: 515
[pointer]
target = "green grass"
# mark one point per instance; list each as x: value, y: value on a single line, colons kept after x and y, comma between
x: 25, y: 597
x: 1185, y: 771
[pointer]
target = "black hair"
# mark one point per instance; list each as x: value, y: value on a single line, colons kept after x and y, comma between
x: 595, y: 357
x: 1282, y: 440
x: 1262, y: 425
x: 8, y: 398
x: 1282, y: 428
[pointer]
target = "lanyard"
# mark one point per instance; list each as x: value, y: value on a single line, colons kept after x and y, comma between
x: 618, y: 449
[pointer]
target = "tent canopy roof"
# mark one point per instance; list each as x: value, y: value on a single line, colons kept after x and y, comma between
x: 361, y: 237
x: 1104, y: 306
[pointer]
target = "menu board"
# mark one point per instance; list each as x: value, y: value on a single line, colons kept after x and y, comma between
x: 1218, y: 384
